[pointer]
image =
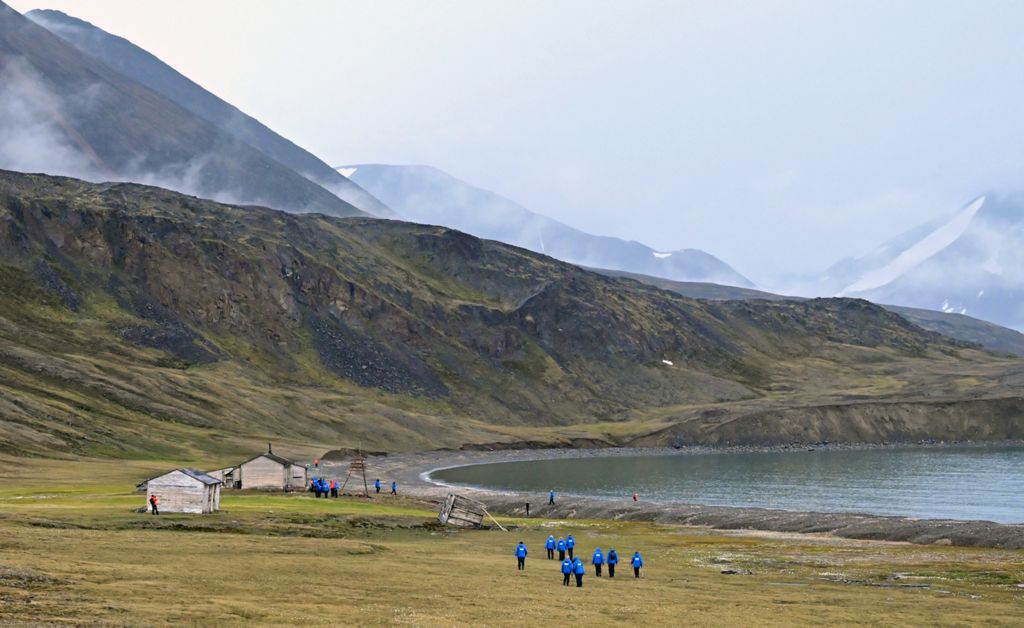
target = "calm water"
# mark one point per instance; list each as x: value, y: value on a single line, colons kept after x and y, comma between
x: 959, y: 483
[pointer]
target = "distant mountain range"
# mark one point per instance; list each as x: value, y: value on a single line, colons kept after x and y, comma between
x: 65, y: 111
x: 970, y: 262
x: 428, y: 195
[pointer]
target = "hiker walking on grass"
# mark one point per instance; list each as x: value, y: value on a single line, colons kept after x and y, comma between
x: 376, y: 485
x: 637, y: 563
x: 551, y: 497
x: 598, y: 560
x: 394, y: 488
x: 569, y: 544
x: 561, y: 548
x: 550, y: 547
x: 316, y: 487
x: 567, y: 567
x: 612, y: 560
x: 153, y: 499
x: 579, y: 569
x: 521, y: 555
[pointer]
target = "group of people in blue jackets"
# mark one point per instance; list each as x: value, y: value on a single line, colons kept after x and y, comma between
x: 572, y: 565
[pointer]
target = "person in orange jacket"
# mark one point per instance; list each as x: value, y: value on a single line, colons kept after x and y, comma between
x: 153, y: 499
x: 334, y: 489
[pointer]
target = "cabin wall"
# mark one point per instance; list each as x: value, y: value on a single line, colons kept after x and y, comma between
x: 299, y: 477
x: 262, y: 473
x: 177, y: 492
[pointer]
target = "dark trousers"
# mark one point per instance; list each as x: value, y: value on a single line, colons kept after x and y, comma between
x: 334, y: 492
x: 551, y: 501
x: 611, y: 570
x: 522, y: 562
x: 570, y: 552
x: 565, y: 579
x: 156, y: 511
x: 378, y: 489
x: 394, y: 492
x: 318, y: 493
x: 636, y: 572
x: 561, y: 554
x: 551, y: 554
x: 579, y: 580
x: 598, y: 567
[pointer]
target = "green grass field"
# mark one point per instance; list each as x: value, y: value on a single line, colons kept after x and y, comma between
x: 75, y: 552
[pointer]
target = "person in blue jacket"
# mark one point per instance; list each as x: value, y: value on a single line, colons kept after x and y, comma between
x: 521, y: 555
x: 376, y: 485
x: 637, y: 563
x: 394, y: 488
x: 551, y: 497
x: 316, y: 487
x: 561, y: 548
x: 566, y: 571
x: 612, y: 559
x: 598, y: 560
x: 579, y: 569
x: 569, y: 544
x: 550, y: 547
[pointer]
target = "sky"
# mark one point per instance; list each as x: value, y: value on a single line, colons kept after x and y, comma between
x: 779, y: 136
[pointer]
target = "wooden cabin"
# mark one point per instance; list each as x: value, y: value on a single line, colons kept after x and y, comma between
x: 225, y: 475
x: 461, y: 512
x: 184, y: 490
x: 271, y: 471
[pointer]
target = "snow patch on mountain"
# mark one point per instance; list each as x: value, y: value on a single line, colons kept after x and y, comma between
x: 915, y: 255
x: 661, y: 255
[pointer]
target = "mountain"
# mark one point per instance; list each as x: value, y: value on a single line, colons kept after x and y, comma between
x: 137, y: 321
x: 958, y: 326
x: 428, y: 195
x: 63, y: 111
x: 141, y: 66
x: 971, y: 262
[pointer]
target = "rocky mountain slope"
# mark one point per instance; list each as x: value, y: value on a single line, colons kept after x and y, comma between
x: 143, y: 67
x: 959, y: 326
x: 135, y: 320
x: 65, y: 112
x: 428, y: 195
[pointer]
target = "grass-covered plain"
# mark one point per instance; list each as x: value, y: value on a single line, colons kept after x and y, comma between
x: 72, y: 550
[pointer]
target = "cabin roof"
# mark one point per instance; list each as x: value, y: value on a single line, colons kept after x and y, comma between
x: 192, y: 473
x: 278, y: 459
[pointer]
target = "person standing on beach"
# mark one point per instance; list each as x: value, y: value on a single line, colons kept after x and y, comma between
x: 551, y: 497
x: 521, y: 555
x: 570, y: 543
x: 550, y: 547
x: 612, y: 560
x: 598, y: 560
x: 561, y: 548
x: 394, y: 488
x: 567, y: 568
x: 376, y: 485
x: 637, y: 563
x: 579, y: 570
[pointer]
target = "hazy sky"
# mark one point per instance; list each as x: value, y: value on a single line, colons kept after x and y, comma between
x: 779, y: 136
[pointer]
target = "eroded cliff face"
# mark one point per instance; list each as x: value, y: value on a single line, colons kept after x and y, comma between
x: 423, y: 319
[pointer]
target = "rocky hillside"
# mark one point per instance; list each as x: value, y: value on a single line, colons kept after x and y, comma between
x: 135, y: 319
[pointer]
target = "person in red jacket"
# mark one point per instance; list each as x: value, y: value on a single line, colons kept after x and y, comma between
x: 153, y: 499
x: 334, y: 489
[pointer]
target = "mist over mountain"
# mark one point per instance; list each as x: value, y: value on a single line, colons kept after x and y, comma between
x: 969, y: 262
x: 62, y: 111
x: 428, y: 195
x: 139, y: 65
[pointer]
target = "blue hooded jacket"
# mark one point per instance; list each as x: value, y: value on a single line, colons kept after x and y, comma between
x: 561, y: 545
x: 566, y: 566
x: 550, y: 544
x: 578, y: 567
x: 598, y: 557
x: 570, y: 542
x: 520, y: 551
x: 376, y: 484
x: 637, y: 560
x: 613, y: 557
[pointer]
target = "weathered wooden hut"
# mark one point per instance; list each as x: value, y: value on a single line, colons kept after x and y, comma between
x: 461, y: 512
x: 271, y: 471
x: 225, y: 475
x: 184, y: 490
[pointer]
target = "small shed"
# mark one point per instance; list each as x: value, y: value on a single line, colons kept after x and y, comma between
x: 184, y: 490
x: 225, y: 475
x: 271, y: 471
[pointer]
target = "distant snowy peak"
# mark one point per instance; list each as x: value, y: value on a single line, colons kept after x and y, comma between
x: 428, y: 195
x: 925, y: 248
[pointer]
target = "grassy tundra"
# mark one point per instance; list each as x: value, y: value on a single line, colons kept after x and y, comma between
x: 73, y: 551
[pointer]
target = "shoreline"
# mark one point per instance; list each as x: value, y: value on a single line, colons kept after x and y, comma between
x: 413, y: 472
